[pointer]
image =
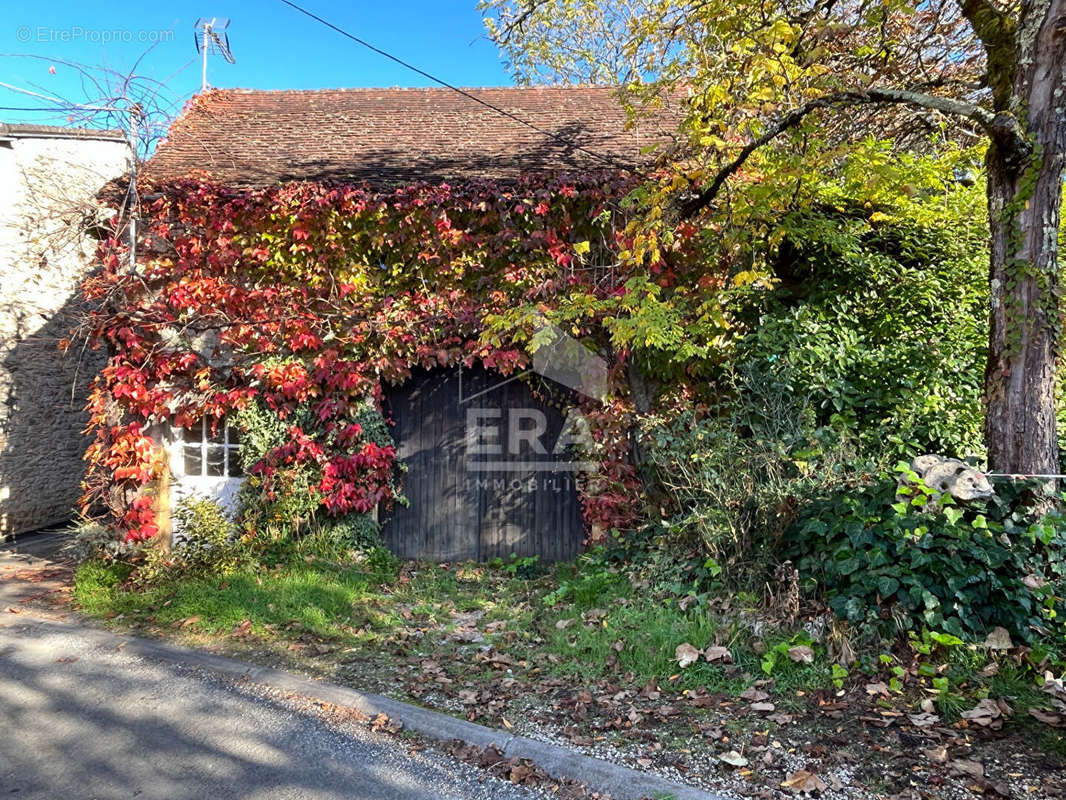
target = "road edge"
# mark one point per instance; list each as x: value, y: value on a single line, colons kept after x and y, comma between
x: 622, y: 783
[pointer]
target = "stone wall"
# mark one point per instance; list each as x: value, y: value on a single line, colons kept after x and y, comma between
x: 48, y: 182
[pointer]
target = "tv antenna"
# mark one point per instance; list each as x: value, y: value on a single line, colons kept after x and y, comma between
x: 211, y: 38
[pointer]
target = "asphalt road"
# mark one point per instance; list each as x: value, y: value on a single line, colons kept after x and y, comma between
x: 80, y: 720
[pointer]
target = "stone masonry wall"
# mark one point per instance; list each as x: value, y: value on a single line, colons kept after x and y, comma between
x: 47, y: 195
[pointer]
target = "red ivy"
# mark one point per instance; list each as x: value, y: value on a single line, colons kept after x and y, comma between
x: 312, y: 294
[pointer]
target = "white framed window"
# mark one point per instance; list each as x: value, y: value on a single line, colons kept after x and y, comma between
x: 210, y: 456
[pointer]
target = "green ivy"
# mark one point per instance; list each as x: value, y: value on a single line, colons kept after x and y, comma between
x: 883, y: 561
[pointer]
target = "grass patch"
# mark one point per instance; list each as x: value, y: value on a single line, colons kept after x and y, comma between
x: 583, y: 622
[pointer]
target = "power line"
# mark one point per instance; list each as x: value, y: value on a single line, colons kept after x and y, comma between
x: 561, y: 139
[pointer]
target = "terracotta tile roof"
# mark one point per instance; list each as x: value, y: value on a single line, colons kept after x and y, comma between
x: 386, y: 137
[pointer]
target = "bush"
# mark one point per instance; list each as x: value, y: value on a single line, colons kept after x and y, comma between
x: 89, y: 539
x: 354, y: 531
x: 880, y: 327
x: 206, y: 545
x: 958, y: 570
x: 736, y: 474
x: 336, y: 539
x: 294, y: 508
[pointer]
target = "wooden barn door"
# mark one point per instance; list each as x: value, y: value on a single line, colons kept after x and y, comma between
x: 464, y: 503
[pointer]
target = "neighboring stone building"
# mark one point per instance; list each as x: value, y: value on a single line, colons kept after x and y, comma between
x: 49, y: 179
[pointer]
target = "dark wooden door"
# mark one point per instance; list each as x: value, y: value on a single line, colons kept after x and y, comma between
x: 465, y: 503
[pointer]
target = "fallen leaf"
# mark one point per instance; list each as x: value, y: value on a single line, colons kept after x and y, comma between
x: 803, y: 781
x: 801, y: 654
x: 1047, y: 717
x: 781, y: 718
x: 972, y: 769
x: 1034, y: 581
x: 185, y: 623
x: 762, y: 707
x: 685, y: 655
x: 924, y: 720
x: 384, y: 723
x: 716, y: 653
x: 998, y: 639
x: 651, y: 691
x: 986, y: 713
x: 877, y: 688
x: 733, y: 759
x: 1054, y: 687
x: 242, y: 628
x: 753, y: 695
x: 563, y: 624
x: 937, y: 754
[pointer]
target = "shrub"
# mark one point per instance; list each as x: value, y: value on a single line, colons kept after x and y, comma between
x: 205, y: 545
x: 880, y: 327
x: 958, y: 570
x: 355, y: 531
x: 337, y: 539
x: 294, y: 506
x: 88, y: 539
x: 735, y: 475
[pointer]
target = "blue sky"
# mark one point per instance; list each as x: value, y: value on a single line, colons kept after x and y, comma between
x: 275, y: 46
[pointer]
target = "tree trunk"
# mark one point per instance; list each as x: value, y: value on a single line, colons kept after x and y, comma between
x: 1024, y: 199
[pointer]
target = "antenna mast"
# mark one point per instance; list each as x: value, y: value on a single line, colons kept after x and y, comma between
x: 211, y: 36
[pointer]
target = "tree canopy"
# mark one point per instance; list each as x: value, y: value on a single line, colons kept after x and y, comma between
x: 777, y: 95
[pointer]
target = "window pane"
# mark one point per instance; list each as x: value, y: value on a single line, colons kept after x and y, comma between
x: 214, y: 461
x: 234, y: 435
x: 219, y: 435
x: 193, y: 462
x: 194, y: 432
x: 235, y: 469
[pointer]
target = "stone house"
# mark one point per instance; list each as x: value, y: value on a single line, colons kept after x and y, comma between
x: 385, y: 139
x: 49, y: 179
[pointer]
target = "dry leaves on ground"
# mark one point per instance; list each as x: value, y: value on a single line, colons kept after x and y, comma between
x: 999, y: 639
x: 717, y: 654
x: 733, y: 759
x: 686, y: 655
x: 804, y: 782
x: 988, y: 713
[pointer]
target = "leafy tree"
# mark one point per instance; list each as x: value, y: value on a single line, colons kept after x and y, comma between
x: 879, y: 327
x: 775, y: 92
